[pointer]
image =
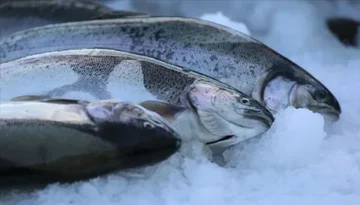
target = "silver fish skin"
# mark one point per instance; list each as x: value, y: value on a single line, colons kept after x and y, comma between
x: 66, y: 140
x: 94, y: 74
x: 18, y: 15
x: 214, y: 50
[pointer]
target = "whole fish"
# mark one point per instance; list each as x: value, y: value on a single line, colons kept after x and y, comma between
x: 217, y: 51
x: 61, y: 140
x: 17, y: 15
x: 212, y: 111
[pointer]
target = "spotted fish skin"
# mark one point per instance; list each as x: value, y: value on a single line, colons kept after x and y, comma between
x: 17, y: 15
x: 98, y: 74
x: 201, y: 46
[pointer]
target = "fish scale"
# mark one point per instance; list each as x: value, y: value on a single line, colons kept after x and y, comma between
x: 167, y: 83
x: 93, y: 77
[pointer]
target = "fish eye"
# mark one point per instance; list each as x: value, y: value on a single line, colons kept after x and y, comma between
x: 245, y: 101
x: 148, y: 125
x: 320, y: 95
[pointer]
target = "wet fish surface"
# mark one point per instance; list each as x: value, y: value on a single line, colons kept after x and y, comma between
x: 64, y: 140
x: 217, y: 110
x: 17, y: 15
x: 205, y: 47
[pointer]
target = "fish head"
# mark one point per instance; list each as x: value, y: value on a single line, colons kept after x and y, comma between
x: 227, y: 112
x: 139, y: 132
x: 306, y: 92
x: 316, y: 98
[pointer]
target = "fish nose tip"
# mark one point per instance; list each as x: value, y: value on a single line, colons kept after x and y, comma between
x: 172, y: 132
x: 263, y: 115
x: 163, y: 140
x: 173, y: 142
x: 337, y: 106
x: 173, y: 136
x: 334, y: 108
x: 268, y: 116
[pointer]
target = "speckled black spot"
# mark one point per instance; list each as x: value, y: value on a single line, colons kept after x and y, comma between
x: 187, y: 45
x: 165, y: 83
x: 157, y: 34
x: 169, y: 55
x: 213, y: 58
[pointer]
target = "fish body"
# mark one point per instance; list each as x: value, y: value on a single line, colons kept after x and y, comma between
x: 18, y: 15
x: 197, y: 45
x: 71, y: 140
x: 96, y: 74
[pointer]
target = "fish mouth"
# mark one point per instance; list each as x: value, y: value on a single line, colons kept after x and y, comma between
x: 265, y: 117
x: 228, y: 137
x: 328, y: 111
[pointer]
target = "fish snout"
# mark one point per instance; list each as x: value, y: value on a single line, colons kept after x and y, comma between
x: 333, y: 110
x: 154, y: 142
x: 317, y: 99
x: 140, y: 141
x: 263, y: 115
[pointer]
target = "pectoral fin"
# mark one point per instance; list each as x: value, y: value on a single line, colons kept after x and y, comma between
x: 30, y: 98
x: 47, y: 99
x: 166, y: 110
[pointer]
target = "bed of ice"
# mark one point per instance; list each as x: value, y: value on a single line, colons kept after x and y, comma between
x: 298, y: 161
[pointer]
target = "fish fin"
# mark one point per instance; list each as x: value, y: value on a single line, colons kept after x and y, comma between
x: 30, y: 98
x: 166, y: 110
x: 64, y: 101
x: 120, y: 14
x: 48, y: 99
